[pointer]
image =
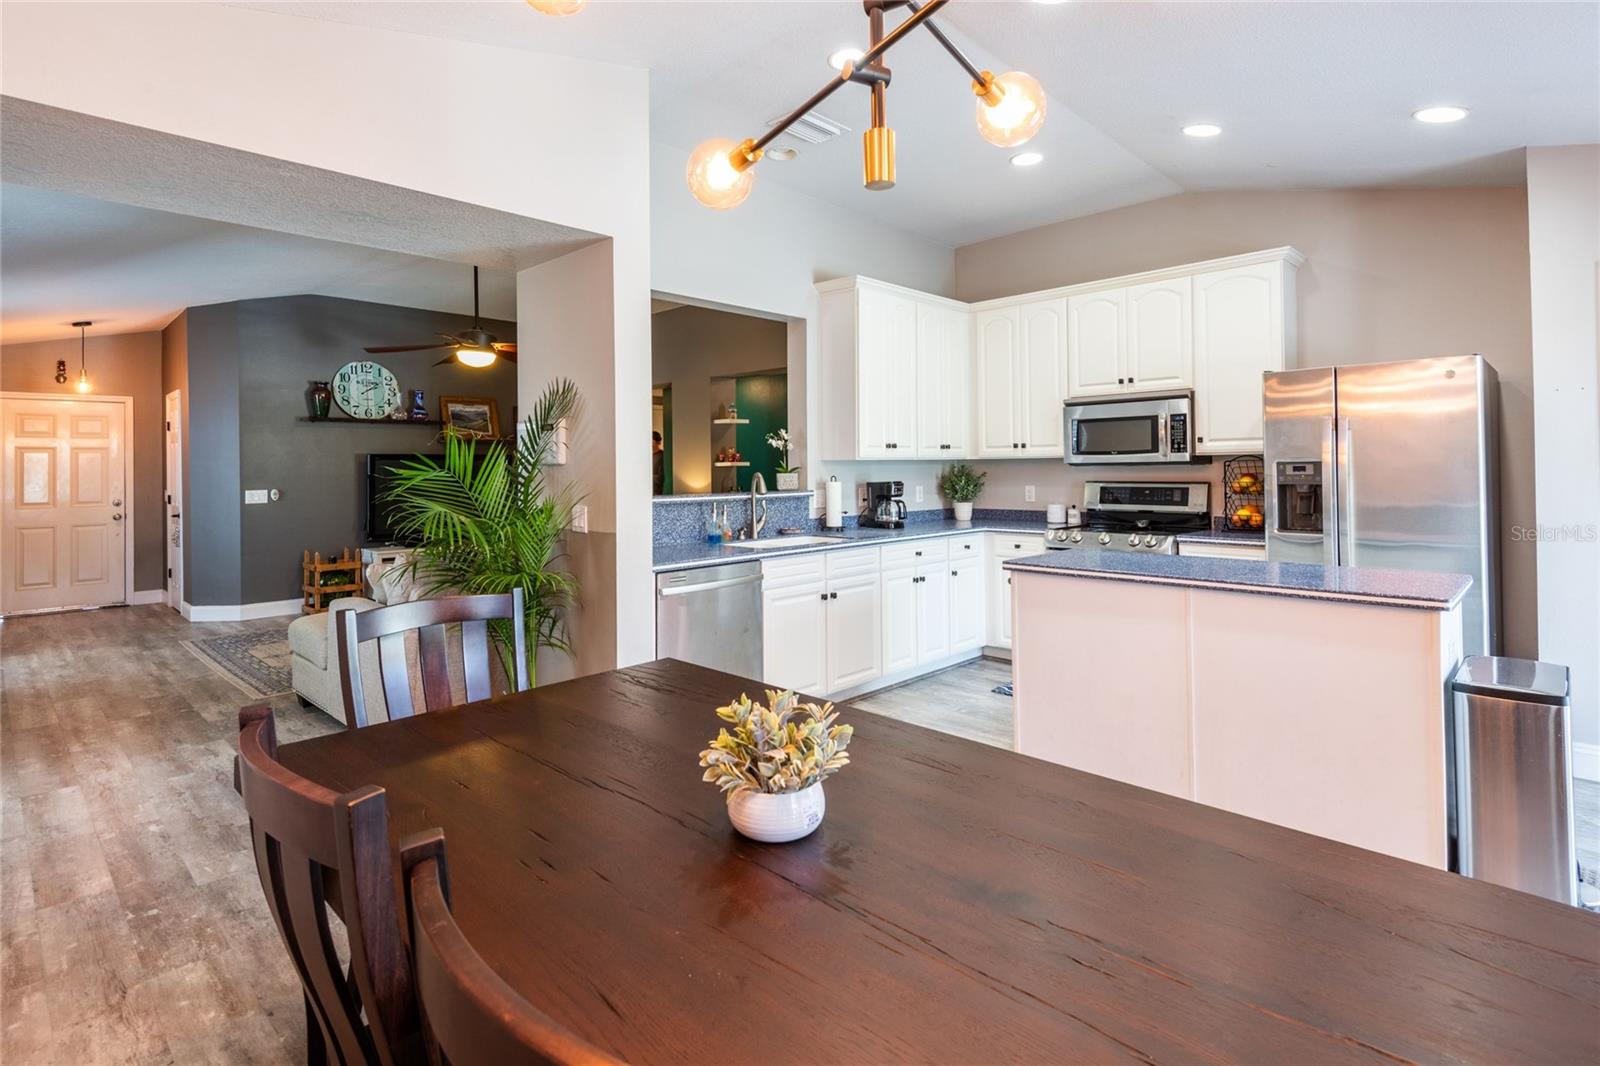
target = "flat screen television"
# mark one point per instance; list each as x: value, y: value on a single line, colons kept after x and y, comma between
x: 380, y: 473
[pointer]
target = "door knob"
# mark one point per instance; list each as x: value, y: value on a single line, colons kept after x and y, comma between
x: 116, y: 503
x: 116, y: 518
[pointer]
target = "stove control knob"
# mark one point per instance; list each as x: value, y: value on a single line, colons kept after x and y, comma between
x: 1133, y: 540
x: 1076, y: 538
x: 1105, y: 538
x: 1150, y: 540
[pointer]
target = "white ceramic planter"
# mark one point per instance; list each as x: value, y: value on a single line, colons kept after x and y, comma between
x: 789, y: 482
x: 777, y: 818
x: 964, y: 511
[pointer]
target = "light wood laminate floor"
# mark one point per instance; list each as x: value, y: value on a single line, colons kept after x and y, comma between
x: 960, y: 700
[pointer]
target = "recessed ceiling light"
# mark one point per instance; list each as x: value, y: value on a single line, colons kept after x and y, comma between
x: 1436, y: 115
x: 1027, y: 159
x: 1202, y: 129
x: 782, y: 155
x: 840, y: 56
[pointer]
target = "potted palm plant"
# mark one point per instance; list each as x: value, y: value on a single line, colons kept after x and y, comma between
x: 486, y: 520
x: 961, y: 484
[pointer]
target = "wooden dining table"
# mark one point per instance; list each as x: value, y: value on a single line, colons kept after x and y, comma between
x: 959, y: 903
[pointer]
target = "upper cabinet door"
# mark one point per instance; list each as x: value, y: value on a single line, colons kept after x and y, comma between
x: 886, y: 375
x: 998, y: 356
x: 1239, y: 335
x: 1097, y: 363
x: 900, y: 381
x: 1161, y: 336
x: 958, y: 382
x: 1043, y: 332
x: 943, y: 365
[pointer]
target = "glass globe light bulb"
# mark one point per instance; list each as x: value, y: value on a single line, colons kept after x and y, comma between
x: 558, y: 8
x: 477, y: 358
x: 712, y: 177
x: 1018, y: 114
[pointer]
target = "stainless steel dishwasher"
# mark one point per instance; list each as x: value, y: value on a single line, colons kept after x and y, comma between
x: 711, y: 617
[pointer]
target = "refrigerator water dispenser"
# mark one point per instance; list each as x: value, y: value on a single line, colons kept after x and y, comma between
x: 1299, y: 497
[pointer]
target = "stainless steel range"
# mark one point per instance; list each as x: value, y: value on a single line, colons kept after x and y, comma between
x: 1136, y: 516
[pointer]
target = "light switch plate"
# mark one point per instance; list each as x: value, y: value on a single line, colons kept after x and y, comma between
x: 919, y: 494
x: 1028, y: 494
x: 580, y: 518
x: 255, y: 495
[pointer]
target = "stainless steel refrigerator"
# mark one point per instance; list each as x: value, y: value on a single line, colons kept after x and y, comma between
x: 1391, y: 465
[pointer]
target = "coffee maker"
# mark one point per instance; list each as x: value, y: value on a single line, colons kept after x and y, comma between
x: 885, y: 508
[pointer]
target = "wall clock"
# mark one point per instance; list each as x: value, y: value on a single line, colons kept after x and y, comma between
x: 366, y: 390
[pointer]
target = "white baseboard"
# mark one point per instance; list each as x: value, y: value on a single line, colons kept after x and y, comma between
x: 146, y: 596
x: 240, y: 612
x: 1586, y: 761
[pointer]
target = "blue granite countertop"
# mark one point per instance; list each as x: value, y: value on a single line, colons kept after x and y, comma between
x: 687, y: 556
x: 1224, y: 536
x: 1424, y: 589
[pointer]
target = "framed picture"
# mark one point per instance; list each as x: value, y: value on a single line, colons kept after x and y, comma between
x: 477, y: 416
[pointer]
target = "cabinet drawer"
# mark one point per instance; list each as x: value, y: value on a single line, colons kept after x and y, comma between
x: 1223, y: 551
x: 1010, y: 545
x: 852, y: 563
x: 915, y: 553
x: 799, y: 570
x: 965, y: 547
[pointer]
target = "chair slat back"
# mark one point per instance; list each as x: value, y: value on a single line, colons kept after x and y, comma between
x: 308, y: 839
x: 430, y: 619
x: 471, y: 1017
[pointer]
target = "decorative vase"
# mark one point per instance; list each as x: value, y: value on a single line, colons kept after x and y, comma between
x: 963, y: 510
x: 321, y: 399
x: 788, y: 480
x: 777, y: 818
x: 419, y: 409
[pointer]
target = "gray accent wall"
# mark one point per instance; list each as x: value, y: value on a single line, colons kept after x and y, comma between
x: 249, y: 366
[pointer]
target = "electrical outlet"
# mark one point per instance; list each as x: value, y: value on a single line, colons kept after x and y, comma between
x: 918, y: 497
x: 580, y: 518
x: 1028, y: 493
x: 255, y: 495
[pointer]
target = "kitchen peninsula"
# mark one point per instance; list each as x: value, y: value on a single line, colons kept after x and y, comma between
x: 1308, y: 696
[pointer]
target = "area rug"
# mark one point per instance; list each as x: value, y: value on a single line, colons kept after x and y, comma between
x: 255, y: 663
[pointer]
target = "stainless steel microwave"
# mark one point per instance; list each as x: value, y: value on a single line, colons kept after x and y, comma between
x: 1150, y: 429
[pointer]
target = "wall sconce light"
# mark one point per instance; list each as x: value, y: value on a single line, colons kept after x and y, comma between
x: 61, y: 371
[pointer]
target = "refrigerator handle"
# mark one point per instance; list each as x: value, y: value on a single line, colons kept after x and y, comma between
x: 1347, y: 495
x: 1333, y: 509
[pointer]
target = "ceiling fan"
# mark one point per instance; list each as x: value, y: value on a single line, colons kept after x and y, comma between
x: 475, y: 347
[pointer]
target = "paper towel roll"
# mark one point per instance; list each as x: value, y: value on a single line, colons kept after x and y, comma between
x: 833, y: 504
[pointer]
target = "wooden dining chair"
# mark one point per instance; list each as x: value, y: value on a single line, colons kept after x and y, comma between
x: 316, y: 850
x: 470, y: 1016
x: 390, y: 625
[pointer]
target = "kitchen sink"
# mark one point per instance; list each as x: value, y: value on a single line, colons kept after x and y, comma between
x: 783, y: 542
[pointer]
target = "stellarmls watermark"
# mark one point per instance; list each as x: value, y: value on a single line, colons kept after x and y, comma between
x: 1575, y: 533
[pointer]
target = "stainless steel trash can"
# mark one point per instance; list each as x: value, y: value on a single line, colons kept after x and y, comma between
x: 1513, y: 775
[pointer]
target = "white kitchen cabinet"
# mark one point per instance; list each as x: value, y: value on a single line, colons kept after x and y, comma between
x: 899, y: 591
x: 1097, y: 344
x: 1207, y: 550
x: 886, y: 355
x: 1003, y: 546
x: 794, y: 634
x: 968, y: 609
x: 944, y: 347
x: 1243, y: 328
x: 933, y: 611
x: 996, y: 351
x: 853, y: 627
x: 1160, y: 350
x: 1021, y: 356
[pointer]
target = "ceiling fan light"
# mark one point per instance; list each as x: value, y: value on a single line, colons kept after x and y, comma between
x: 1010, y: 108
x: 477, y: 358
x: 558, y: 8
x: 715, y: 177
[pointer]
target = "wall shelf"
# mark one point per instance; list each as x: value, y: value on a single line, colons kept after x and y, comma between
x: 347, y: 421
x: 730, y: 421
x: 744, y: 463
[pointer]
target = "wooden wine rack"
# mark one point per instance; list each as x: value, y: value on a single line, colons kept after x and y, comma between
x: 328, y: 580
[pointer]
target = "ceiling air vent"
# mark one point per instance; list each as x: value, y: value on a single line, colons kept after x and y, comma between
x: 812, y: 128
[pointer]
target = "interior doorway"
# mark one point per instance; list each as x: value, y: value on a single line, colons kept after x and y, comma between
x: 66, y: 502
x: 173, y: 498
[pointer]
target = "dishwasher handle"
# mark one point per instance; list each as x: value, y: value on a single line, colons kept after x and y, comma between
x: 684, y: 590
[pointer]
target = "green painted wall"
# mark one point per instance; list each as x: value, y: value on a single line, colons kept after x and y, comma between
x: 764, y: 400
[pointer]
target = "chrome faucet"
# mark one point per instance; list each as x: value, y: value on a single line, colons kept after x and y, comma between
x: 758, y: 486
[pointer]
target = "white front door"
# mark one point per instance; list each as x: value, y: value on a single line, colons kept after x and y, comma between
x: 64, y: 537
x: 173, y: 500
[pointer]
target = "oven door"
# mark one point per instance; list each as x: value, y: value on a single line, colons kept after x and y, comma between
x: 1128, y: 431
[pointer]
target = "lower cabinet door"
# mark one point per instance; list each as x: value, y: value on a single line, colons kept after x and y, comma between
x: 968, y: 612
x: 794, y: 630
x: 853, y: 623
x: 933, y: 611
x: 899, y: 619
x: 1003, y: 600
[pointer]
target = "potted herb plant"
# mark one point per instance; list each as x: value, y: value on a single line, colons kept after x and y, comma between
x: 961, y: 484
x: 772, y: 764
x: 788, y: 476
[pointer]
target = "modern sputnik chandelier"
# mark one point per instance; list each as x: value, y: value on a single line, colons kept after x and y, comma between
x: 1010, y: 108
x: 1010, y: 111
